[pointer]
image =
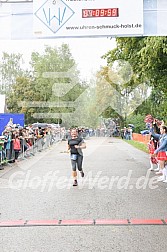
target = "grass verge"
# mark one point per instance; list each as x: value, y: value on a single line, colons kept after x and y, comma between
x: 138, y: 145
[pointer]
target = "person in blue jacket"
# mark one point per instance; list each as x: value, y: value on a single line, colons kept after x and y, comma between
x: 161, y: 151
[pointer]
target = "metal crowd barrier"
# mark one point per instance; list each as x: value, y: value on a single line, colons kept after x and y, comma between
x: 30, y: 146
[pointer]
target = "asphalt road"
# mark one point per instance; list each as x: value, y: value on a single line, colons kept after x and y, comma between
x: 117, y: 186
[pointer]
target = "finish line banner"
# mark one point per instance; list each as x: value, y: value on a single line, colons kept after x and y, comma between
x: 87, y: 18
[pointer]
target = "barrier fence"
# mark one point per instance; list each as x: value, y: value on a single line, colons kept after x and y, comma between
x: 29, y: 147
x: 141, y: 138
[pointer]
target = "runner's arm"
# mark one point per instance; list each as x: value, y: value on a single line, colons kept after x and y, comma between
x: 81, y: 146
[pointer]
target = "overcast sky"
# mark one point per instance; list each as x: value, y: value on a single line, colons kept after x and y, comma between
x: 87, y: 52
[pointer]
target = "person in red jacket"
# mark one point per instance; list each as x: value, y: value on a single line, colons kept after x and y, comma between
x: 16, y: 147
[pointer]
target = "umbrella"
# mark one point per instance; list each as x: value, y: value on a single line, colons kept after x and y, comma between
x: 40, y: 125
x: 131, y: 125
x: 145, y: 132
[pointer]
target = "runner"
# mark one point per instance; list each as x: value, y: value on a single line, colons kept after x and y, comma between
x: 75, y: 146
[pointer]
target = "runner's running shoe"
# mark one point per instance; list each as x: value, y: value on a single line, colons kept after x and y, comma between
x: 82, y: 174
x: 75, y: 183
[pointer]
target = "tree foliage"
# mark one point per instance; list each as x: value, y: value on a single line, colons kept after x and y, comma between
x: 10, y: 69
x: 148, y: 59
x: 53, y: 79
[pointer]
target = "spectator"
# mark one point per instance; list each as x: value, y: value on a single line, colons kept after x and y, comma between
x: 16, y: 147
x: 161, y: 151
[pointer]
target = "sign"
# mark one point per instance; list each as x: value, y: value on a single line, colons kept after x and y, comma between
x: 85, y: 18
x: 9, y: 119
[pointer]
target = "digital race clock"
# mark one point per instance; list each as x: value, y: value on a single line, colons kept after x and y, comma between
x: 91, y: 13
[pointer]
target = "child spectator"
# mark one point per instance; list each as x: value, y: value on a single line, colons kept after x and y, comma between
x: 16, y: 147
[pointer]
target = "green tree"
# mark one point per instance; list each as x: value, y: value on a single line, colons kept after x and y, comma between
x: 21, y: 95
x: 10, y: 69
x: 147, y: 57
x: 53, y: 79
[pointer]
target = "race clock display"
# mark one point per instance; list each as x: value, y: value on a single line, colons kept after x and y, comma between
x: 92, y: 13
